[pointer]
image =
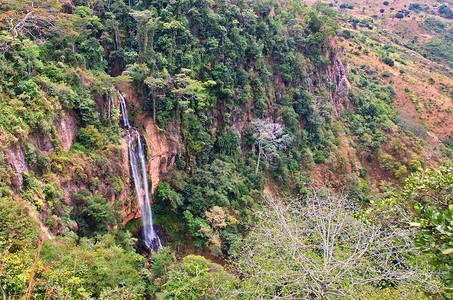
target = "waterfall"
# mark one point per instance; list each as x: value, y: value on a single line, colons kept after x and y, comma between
x: 138, y: 163
x: 126, y: 123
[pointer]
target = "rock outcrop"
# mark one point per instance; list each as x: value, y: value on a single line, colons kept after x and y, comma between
x: 66, y: 131
x: 162, y: 151
x: 336, y: 73
x: 16, y: 160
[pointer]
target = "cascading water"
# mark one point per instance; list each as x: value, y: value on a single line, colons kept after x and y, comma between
x: 138, y: 162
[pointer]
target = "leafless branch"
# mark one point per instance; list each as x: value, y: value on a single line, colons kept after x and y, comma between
x: 315, y: 247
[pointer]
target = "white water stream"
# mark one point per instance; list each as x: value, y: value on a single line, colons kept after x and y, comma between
x: 138, y: 163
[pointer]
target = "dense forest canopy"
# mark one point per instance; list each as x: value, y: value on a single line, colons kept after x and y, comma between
x: 286, y: 167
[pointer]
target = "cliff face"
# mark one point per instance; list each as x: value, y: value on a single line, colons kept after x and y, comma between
x: 336, y: 73
x: 161, y: 154
x: 162, y: 151
x: 66, y: 129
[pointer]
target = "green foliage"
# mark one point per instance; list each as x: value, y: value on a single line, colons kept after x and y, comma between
x: 401, y: 172
x: 199, y: 228
x: 94, y: 214
x: 386, y: 161
x: 435, y: 24
x: 424, y: 204
x: 92, y: 267
x: 445, y: 12
x: 166, y: 200
x: 344, y: 5
x: 388, y: 61
x: 90, y: 137
x: 227, y: 143
x: 319, y: 157
x: 86, y: 108
x: 197, y: 278
x: 218, y: 185
x: 289, y: 118
x: 161, y: 261
x: 427, y: 194
x: 138, y: 73
x: 346, y: 34
x: 415, y: 7
x: 16, y: 226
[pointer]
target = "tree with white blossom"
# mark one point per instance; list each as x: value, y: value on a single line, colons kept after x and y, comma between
x: 271, y: 138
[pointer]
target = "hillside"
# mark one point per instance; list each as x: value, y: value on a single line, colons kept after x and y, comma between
x: 229, y: 108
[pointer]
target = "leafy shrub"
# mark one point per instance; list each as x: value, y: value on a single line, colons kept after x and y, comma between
x: 414, y: 165
x: 434, y: 24
x: 90, y: 137
x: 43, y: 163
x: 86, y: 108
x: 388, y: 61
x: 390, y: 48
x: 27, y: 87
x: 30, y: 153
x: 289, y: 117
x: 401, y: 172
x: 196, y: 278
x: 92, y: 267
x: 386, y: 161
x: 166, y: 199
x: 417, y: 7
x: 346, y: 34
x: 199, y: 228
x: 16, y: 227
x: 319, y: 157
x: 348, y: 6
x: 94, y: 214
x: 445, y: 12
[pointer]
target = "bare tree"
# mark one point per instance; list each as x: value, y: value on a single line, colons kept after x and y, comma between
x: 34, y: 20
x: 270, y: 138
x: 316, y: 248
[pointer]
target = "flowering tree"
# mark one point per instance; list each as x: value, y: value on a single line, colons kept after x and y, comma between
x: 270, y: 138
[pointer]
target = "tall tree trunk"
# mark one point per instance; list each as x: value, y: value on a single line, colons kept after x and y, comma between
x: 259, y: 156
x: 154, y: 109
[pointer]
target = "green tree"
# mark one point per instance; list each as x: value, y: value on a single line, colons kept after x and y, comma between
x: 147, y: 25
x: 92, y: 267
x: 16, y: 226
x: 428, y: 194
x: 138, y: 73
x: 94, y: 214
x: 190, y: 93
x: 157, y: 86
x: 425, y: 203
x: 197, y: 278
